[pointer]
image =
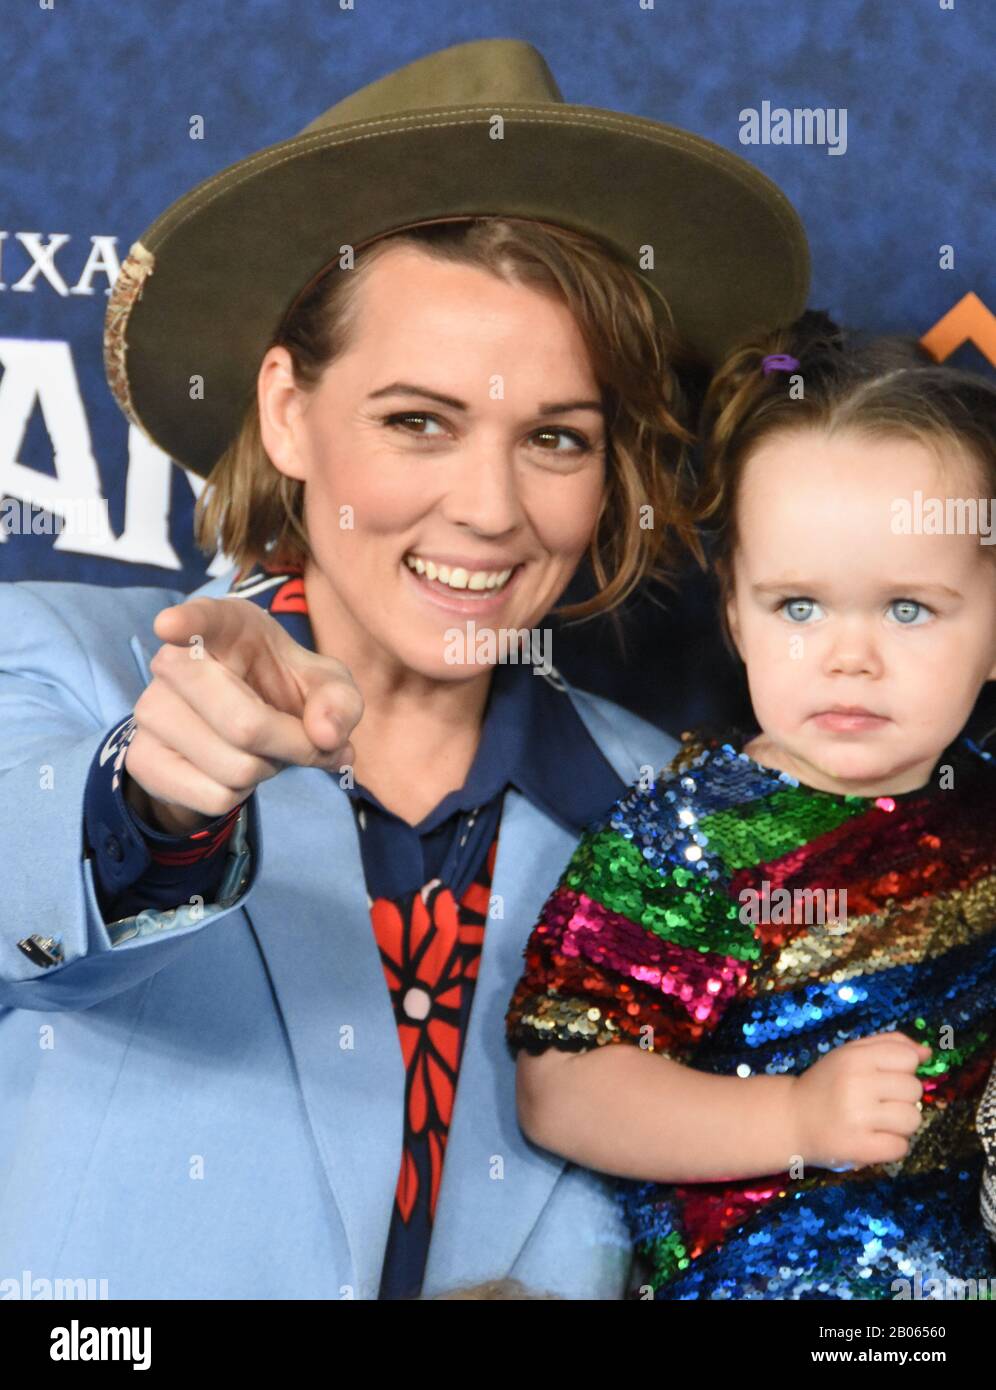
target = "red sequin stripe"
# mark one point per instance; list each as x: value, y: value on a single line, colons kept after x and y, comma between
x: 630, y: 1004
x: 882, y: 855
x: 207, y: 841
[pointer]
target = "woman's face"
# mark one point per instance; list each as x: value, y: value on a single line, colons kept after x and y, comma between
x: 453, y: 460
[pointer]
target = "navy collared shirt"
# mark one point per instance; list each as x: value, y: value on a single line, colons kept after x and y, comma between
x: 532, y: 738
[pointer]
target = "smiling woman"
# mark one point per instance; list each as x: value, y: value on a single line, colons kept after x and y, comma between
x: 515, y: 309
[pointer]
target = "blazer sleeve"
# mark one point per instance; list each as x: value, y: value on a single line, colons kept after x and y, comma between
x: 57, y: 951
x: 136, y: 866
x: 635, y: 944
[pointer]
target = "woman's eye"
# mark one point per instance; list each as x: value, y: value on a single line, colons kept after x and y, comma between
x: 908, y: 611
x: 404, y: 421
x: 412, y: 415
x: 798, y: 610
x: 578, y: 440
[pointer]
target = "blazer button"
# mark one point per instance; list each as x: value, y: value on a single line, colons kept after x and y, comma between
x: 41, y: 950
x: 112, y: 846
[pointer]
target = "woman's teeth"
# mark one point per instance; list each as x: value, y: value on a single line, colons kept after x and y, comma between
x: 458, y: 577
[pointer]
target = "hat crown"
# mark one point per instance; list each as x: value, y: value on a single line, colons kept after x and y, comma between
x: 467, y: 74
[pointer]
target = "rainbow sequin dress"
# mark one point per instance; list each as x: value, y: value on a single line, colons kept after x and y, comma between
x: 683, y: 919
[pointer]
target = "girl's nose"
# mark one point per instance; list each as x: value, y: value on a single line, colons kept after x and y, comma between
x: 853, y: 650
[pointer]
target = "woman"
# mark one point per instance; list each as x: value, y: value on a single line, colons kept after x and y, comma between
x: 227, y: 1101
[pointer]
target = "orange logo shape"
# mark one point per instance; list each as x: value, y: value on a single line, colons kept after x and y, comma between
x: 970, y: 321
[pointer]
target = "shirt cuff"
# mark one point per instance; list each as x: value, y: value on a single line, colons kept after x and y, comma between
x: 135, y: 865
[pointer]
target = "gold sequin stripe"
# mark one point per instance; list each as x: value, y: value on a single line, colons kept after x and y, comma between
x: 905, y: 934
x: 552, y: 1018
x: 946, y: 1136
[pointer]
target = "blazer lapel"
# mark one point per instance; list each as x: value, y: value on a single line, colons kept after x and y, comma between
x: 495, y: 1183
x: 311, y: 917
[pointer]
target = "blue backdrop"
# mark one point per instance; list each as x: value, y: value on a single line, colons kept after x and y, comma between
x: 94, y: 143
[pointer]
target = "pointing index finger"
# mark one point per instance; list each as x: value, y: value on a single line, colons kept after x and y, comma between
x: 217, y: 623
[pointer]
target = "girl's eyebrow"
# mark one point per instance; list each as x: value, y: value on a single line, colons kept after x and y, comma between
x: 805, y: 586
x: 404, y: 388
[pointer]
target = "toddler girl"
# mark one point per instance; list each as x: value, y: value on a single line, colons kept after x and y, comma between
x: 791, y: 932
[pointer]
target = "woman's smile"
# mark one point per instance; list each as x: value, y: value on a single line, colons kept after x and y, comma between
x: 460, y: 588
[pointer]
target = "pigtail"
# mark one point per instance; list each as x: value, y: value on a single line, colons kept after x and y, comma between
x: 743, y: 400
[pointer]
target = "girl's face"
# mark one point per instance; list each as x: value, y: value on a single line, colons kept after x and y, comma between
x: 865, y: 647
x: 461, y: 436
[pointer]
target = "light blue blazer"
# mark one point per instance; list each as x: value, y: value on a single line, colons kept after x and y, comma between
x: 213, y: 1109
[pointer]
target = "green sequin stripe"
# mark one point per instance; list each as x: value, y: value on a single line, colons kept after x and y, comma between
x: 756, y: 832
x: 667, y: 1256
x: 676, y: 904
x: 945, y: 1059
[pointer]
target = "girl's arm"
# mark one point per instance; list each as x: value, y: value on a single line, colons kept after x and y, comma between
x: 634, y: 1113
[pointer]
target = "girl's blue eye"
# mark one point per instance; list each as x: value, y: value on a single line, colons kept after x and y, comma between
x: 907, y: 611
x: 798, y: 610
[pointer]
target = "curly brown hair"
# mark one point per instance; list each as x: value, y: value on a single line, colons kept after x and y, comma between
x: 253, y: 512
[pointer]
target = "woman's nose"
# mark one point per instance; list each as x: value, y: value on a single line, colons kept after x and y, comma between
x: 483, y: 492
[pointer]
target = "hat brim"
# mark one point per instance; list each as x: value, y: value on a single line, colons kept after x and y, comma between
x: 208, y: 283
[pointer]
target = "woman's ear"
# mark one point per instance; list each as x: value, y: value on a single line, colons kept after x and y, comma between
x: 280, y: 399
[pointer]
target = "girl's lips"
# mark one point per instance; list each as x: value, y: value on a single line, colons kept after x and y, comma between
x: 838, y: 722
x: 454, y: 601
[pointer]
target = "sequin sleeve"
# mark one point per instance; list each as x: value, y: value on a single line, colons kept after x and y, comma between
x: 638, y: 942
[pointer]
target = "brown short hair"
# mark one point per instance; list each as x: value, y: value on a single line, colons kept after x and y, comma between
x: 253, y: 512
x: 884, y: 387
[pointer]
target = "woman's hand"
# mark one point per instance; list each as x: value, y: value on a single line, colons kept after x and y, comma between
x: 858, y: 1104
x: 233, y: 700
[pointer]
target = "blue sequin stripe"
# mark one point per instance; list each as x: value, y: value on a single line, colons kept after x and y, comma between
x: 842, y: 1242
x: 717, y: 780
x: 789, y: 1031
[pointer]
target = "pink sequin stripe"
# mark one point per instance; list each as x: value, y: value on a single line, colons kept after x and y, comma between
x: 576, y: 925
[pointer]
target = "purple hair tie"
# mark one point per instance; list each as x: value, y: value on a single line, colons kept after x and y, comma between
x: 779, y: 362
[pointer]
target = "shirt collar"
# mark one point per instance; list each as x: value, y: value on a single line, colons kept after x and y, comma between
x: 532, y: 737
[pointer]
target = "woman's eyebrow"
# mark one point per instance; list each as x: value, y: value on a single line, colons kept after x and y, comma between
x: 406, y: 388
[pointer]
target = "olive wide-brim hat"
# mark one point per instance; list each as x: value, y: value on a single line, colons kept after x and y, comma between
x: 202, y: 293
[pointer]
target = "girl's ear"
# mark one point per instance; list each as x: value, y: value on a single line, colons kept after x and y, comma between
x: 733, y: 623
